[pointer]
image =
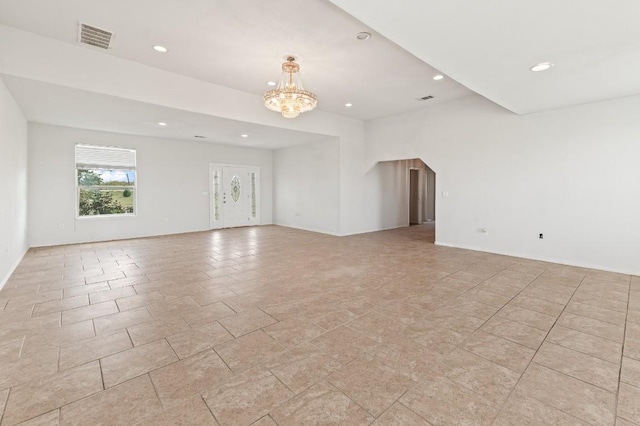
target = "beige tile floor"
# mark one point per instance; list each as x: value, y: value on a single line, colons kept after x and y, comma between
x: 270, y: 325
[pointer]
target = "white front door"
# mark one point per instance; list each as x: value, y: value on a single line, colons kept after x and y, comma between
x: 234, y: 196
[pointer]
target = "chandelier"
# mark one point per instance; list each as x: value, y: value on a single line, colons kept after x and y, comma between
x: 290, y: 98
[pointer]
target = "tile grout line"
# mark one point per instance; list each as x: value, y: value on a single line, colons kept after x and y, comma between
x: 215, y: 419
x: 594, y: 319
x: 624, y: 340
x: 155, y: 390
x: 545, y: 339
x: 397, y: 401
x: 501, y: 406
x: 459, y: 346
x: 6, y: 403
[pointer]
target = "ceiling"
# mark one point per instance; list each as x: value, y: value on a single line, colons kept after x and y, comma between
x: 479, y: 47
x: 490, y: 46
x: 241, y: 45
x: 58, y: 105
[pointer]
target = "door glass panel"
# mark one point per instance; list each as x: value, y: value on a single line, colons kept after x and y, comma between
x: 253, y: 195
x: 216, y: 195
x: 235, y: 189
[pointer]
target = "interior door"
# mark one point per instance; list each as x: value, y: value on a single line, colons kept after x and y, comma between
x: 236, y: 194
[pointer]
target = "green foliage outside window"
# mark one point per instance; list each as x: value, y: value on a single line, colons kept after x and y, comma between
x: 98, y: 197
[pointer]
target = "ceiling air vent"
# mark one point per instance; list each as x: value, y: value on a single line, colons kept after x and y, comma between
x: 425, y: 98
x: 94, y: 36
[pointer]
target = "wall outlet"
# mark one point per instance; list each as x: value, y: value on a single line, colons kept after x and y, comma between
x: 62, y: 226
x: 541, y: 236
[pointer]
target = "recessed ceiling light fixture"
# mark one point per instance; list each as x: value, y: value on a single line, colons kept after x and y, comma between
x: 543, y: 66
x: 244, y: 135
x: 438, y: 77
x: 362, y: 36
x: 348, y: 105
x: 289, y: 98
x: 160, y: 49
x: 162, y: 123
x: 271, y: 83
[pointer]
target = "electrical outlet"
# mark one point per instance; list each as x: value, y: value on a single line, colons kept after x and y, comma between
x: 541, y: 236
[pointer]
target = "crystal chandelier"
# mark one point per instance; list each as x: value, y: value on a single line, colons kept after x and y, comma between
x: 290, y: 98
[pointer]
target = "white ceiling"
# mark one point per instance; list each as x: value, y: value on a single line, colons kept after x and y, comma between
x: 241, y: 45
x: 487, y: 47
x: 490, y: 46
x: 63, y: 106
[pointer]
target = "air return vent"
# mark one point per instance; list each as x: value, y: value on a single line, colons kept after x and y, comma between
x: 94, y: 36
x: 425, y: 98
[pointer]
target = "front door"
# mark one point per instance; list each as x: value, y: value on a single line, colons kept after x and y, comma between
x: 235, y: 196
x: 234, y: 200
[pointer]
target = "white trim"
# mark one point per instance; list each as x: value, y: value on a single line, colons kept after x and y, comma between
x: 374, y: 230
x: 13, y: 269
x: 304, y: 228
x: 541, y: 259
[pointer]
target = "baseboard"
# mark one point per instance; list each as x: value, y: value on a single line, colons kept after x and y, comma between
x: 304, y: 228
x: 340, y: 235
x: 374, y: 230
x: 11, y: 270
x: 541, y: 259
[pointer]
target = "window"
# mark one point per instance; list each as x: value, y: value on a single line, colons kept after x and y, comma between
x: 106, y: 181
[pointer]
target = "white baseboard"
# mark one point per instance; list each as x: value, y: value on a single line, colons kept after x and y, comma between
x: 12, y: 269
x: 374, y: 230
x: 541, y: 259
x: 304, y: 228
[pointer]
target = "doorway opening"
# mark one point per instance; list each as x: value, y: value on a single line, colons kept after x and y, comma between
x: 421, y: 191
x: 408, y: 189
x: 234, y: 196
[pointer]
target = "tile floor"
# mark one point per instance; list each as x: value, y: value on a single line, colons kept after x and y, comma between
x: 270, y: 325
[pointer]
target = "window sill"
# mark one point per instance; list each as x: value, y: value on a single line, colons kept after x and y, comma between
x: 109, y: 216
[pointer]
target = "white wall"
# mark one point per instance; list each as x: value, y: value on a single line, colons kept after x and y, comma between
x: 73, y: 66
x: 430, y: 199
x: 172, y: 176
x: 568, y: 173
x: 572, y: 174
x: 13, y: 184
x: 386, y: 201
x: 306, y: 185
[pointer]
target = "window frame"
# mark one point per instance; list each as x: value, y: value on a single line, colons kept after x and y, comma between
x: 78, y: 187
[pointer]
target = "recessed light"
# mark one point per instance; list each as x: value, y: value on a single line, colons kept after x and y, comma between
x: 162, y: 124
x: 348, y: 105
x: 160, y: 49
x: 438, y: 77
x: 543, y: 66
x: 271, y: 83
x: 362, y: 36
x: 244, y: 135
